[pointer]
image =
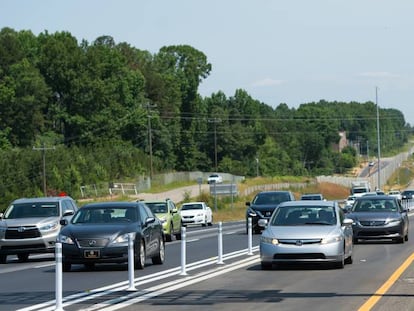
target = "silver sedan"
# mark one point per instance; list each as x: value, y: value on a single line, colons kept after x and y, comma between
x: 307, y: 231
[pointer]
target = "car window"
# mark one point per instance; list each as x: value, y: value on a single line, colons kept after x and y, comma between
x: 31, y: 209
x: 157, y: 207
x: 191, y: 206
x: 304, y: 215
x: 379, y: 205
x: 271, y: 198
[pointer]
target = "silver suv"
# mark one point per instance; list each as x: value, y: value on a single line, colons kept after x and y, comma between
x: 31, y: 225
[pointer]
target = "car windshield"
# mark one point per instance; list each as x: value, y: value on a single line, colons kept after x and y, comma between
x: 311, y: 197
x: 191, y: 207
x: 30, y: 209
x: 270, y: 198
x: 105, y: 215
x: 376, y: 205
x: 304, y: 215
x: 157, y: 207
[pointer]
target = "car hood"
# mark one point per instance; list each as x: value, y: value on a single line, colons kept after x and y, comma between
x: 32, y: 221
x: 373, y: 216
x: 264, y: 207
x: 97, y: 230
x: 301, y: 232
x: 191, y: 212
x: 161, y: 215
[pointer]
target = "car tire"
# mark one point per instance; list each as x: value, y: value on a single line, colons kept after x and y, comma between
x: 266, y: 265
x: 406, y: 237
x: 340, y: 264
x: 349, y: 260
x: 23, y: 257
x: 66, y: 266
x: 211, y: 222
x: 3, y: 259
x: 160, y: 257
x: 140, y: 257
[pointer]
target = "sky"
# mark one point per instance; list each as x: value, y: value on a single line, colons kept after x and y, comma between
x: 292, y: 52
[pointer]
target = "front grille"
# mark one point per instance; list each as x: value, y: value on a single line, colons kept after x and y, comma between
x: 22, y: 233
x: 299, y: 256
x: 23, y: 247
x: 188, y: 217
x: 92, y: 242
x: 300, y: 242
x: 372, y: 223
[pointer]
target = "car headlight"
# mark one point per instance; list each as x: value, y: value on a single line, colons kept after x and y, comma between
x: 49, y: 226
x: 124, y: 238
x: 65, y: 239
x: 251, y: 212
x: 269, y: 240
x: 332, y: 239
x: 393, y: 221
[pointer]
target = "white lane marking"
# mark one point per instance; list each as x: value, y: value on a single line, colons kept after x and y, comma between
x: 122, y: 286
x: 136, y: 297
x: 193, y: 240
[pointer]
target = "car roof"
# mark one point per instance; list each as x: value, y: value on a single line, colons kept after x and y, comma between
x: 375, y: 197
x: 112, y: 204
x: 41, y: 199
x: 198, y: 202
x: 307, y: 202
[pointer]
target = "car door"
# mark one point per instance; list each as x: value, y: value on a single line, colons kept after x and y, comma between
x: 146, y: 230
x: 176, y: 218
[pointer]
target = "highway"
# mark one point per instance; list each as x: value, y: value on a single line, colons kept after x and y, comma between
x: 236, y: 283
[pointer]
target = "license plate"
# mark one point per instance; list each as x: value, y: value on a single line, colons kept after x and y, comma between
x: 91, y: 254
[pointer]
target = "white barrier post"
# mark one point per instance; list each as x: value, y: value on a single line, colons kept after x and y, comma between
x: 220, y: 244
x: 183, y: 251
x: 250, y: 234
x: 58, y: 277
x: 131, y: 268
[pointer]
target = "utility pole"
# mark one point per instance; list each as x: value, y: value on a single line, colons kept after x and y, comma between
x: 43, y: 149
x: 378, y: 140
x: 148, y: 106
x: 215, y: 121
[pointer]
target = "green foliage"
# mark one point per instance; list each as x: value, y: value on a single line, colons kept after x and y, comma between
x: 110, y: 109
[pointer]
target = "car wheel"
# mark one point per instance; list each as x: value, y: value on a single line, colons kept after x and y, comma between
x: 266, y: 265
x: 140, y: 257
x: 3, y: 259
x: 159, y: 259
x: 340, y: 264
x: 349, y: 260
x: 66, y: 267
x: 178, y: 235
x: 170, y: 235
x: 406, y: 237
x: 23, y: 257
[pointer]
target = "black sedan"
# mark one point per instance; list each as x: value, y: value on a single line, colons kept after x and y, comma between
x: 99, y: 233
x: 379, y: 217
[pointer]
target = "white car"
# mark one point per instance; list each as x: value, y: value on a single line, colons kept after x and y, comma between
x: 196, y: 213
x: 214, y: 178
x: 350, y: 200
x: 395, y: 193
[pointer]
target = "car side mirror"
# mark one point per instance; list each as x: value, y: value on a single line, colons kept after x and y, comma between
x: 174, y: 210
x: 149, y: 220
x: 68, y: 213
x: 347, y: 222
x: 63, y: 222
x: 262, y: 222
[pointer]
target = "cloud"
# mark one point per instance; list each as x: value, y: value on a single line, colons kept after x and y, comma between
x: 267, y: 82
x: 379, y: 74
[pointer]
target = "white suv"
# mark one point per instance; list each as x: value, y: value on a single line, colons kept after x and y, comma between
x: 31, y: 225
